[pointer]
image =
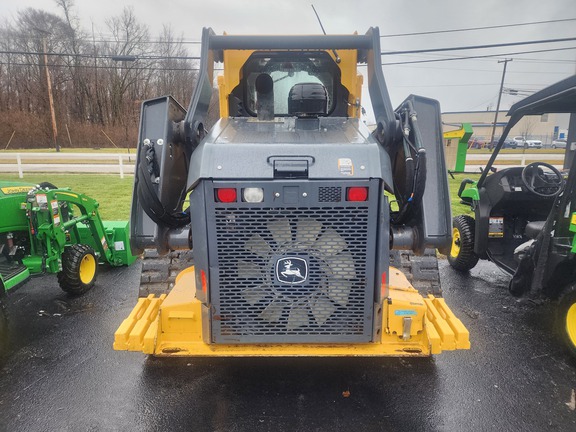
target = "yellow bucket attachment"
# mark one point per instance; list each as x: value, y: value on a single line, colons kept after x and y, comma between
x: 410, y: 326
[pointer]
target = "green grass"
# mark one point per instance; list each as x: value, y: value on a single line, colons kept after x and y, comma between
x: 454, y: 185
x: 113, y: 193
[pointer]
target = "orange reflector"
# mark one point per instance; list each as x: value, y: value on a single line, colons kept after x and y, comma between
x: 226, y: 195
x: 204, y: 283
x: 383, y: 286
x: 357, y: 194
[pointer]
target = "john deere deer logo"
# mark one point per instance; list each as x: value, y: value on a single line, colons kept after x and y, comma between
x: 291, y: 270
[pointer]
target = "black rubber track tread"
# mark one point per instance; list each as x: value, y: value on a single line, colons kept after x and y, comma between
x: 421, y: 271
x: 567, y: 299
x: 466, y: 259
x: 159, y: 272
x: 69, y: 277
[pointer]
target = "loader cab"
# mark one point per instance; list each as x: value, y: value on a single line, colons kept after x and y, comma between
x: 304, y: 83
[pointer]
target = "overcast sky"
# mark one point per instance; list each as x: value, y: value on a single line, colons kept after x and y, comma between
x: 459, y: 85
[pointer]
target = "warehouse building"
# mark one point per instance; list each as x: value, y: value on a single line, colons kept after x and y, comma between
x: 545, y: 128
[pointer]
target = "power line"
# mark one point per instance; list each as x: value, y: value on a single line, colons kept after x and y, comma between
x: 107, y: 67
x: 484, y: 70
x: 197, y: 42
x: 479, y: 46
x: 485, y: 56
x: 477, y: 28
x: 159, y: 57
x: 101, y: 56
x: 467, y: 85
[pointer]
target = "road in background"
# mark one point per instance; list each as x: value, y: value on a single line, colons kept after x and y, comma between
x: 61, y: 373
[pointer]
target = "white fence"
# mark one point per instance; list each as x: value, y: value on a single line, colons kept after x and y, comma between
x: 122, y: 163
x: 115, y: 163
x: 475, y: 161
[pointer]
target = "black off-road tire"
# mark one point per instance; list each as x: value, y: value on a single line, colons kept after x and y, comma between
x: 421, y: 271
x: 79, y: 269
x: 461, y: 256
x: 159, y: 272
x: 566, y: 318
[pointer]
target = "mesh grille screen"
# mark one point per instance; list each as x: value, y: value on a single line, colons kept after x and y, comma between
x: 330, y: 194
x: 292, y: 275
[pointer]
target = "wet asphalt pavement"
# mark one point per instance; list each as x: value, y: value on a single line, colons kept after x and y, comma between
x: 61, y: 374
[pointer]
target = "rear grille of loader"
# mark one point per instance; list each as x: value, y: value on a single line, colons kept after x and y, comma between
x: 292, y: 274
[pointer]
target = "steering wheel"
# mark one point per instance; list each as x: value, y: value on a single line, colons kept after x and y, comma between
x: 541, y: 184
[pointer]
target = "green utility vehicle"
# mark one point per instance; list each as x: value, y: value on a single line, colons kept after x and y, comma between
x: 525, y: 217
x: 44, y: 229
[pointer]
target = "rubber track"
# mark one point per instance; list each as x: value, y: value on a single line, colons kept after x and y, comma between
x: 159, y: 272
x: 422, y: 271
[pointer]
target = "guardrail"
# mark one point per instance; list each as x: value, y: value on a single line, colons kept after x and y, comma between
x: 67, y: 163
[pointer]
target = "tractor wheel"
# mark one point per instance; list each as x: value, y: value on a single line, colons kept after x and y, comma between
x: 79, y: 269
x: 462, y: 256
x: 566, y: 318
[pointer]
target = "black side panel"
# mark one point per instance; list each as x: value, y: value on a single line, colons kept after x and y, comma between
x: 436, y: 217
x: 169, y: 169
x: 200, y: 101
x: 381, y: 104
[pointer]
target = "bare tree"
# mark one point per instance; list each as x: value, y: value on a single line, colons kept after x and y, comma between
x: 92, y: 92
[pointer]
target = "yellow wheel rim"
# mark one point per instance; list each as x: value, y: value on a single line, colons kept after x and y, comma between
x: 87, y: 269
x: 455, y: 250
x: 571, y: 323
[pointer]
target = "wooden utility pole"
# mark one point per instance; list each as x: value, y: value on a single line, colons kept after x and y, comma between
x: 50, y: 98
x: 505, y: 61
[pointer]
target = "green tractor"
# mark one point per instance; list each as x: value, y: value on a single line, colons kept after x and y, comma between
x: 525, y: 218
x: 44, y: 229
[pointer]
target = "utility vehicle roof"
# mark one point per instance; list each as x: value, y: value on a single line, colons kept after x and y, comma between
x: 557, y: 98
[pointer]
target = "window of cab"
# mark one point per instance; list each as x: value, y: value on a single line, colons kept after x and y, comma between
x: 288, y: 70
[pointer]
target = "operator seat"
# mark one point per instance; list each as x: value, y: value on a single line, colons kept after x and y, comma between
x: 533, y: 229
x: 308, y: 100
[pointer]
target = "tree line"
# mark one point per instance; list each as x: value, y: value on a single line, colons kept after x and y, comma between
x: 98, y: 81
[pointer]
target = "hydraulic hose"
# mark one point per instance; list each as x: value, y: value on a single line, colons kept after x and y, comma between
x: 415, y: 167
x: 148, y: 196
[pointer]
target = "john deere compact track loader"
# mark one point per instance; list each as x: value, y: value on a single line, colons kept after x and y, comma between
x: 286, y: 202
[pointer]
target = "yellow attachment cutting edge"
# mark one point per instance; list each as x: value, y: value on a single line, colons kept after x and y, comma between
x: 410, y: 326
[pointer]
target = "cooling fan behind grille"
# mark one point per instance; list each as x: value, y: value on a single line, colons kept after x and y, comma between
x: 297, y: 303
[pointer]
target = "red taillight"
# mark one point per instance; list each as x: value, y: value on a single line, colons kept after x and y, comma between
x: 226, y: 195
x: 357, y: 194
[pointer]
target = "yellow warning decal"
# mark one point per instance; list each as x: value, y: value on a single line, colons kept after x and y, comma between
x: 15, y: 190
